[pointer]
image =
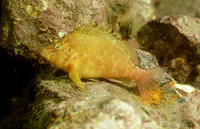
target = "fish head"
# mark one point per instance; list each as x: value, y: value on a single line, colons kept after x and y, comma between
x: 50, y: 51
x: 56, y: 54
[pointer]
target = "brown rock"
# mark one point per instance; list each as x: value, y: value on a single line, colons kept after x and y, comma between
x: 176, y: 7
x: 28, y: 26
x: 105, y: 105
x: 175, y: 41
x: 127, y: 17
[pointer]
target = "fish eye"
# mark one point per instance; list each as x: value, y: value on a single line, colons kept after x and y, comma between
x: 57, y: 47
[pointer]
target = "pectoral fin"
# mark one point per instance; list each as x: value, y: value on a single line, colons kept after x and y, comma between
x: 74, y: 75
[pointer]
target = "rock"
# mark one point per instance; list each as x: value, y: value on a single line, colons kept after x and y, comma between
x: 175, y: 41
x: 146, y: 60
x: 118, y: 114
x: 176, y: 7
x: 191, y: 110
x: 127, y: 17
x: 58, y: 106
x: 105, y: 105
x: 28, y: 26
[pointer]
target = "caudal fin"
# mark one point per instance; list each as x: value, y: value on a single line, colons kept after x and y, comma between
x: 149, y: 86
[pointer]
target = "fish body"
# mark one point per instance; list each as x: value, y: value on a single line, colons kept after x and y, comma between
x: 89, y: 52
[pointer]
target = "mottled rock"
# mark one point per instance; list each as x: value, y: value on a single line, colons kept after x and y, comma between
x: 146, y: 60
x: 175, y: 41
x: 188, y: 26
x: 105, y: 105
x: 176, y: 7
x: 28, y: 26
x: 191, y: 110
x: 128, y: 16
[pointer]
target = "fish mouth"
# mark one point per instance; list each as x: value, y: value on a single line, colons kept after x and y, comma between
x: 45, y: 54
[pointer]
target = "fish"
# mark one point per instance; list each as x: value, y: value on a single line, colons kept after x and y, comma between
x: 90, y: 51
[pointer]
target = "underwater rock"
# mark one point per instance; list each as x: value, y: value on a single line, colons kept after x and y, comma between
x: 175, y: 41
x: 193, y: 109
x: 176, y: 7
x: 105, y: 105
x: 28, y: 26
x: 127, y: 17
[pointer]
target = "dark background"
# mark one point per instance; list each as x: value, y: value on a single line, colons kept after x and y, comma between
x: 16, y: 89
x: 14, y: 78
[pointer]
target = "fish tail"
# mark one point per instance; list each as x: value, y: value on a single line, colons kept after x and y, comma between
x: 149, y: 85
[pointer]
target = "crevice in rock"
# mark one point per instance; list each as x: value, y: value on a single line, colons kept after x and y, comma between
x: 16, y: 90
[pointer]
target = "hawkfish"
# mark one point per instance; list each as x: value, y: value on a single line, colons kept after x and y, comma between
x: 93, y: 52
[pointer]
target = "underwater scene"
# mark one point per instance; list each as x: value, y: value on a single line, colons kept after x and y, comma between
x: 100, y: 64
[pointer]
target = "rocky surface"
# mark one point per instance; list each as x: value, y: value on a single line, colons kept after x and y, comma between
x: 106, y: 104
x: 127, y: 17
x: 176, y: 7
x: 175, y: 41
x: 27, y: 26
x: 113, y: 108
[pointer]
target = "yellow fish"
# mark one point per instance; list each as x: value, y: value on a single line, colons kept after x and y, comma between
x: 91, y: 52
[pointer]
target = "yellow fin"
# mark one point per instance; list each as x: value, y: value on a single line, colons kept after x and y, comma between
x: 102, y: 32
x: 122, y: 81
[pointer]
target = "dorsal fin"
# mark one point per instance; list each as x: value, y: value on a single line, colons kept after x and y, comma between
x: 101, y: 32
x: 98, y: 31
